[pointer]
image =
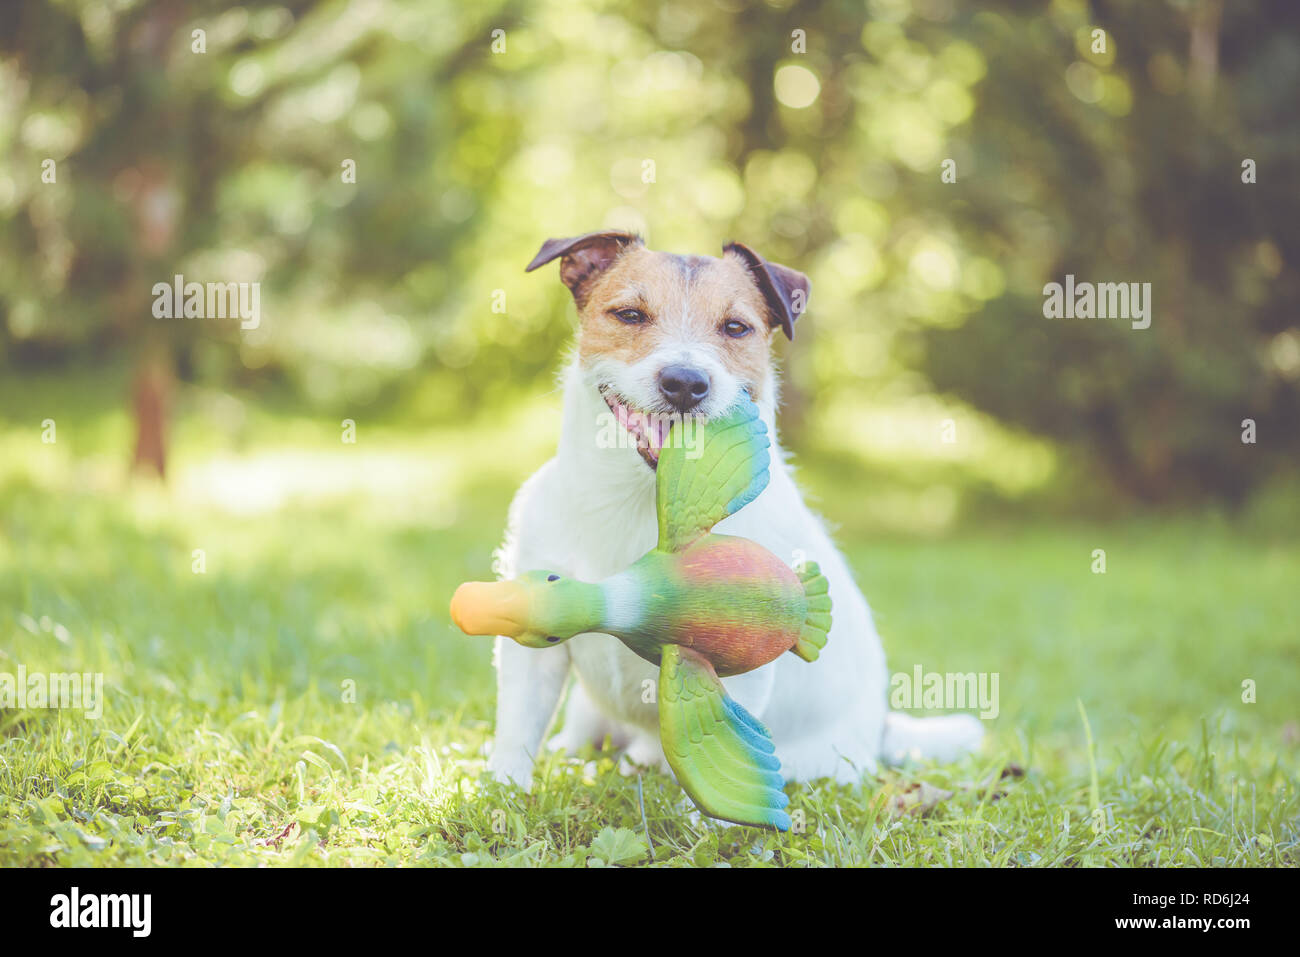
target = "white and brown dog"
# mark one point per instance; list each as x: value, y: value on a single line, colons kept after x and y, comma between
x: 662, y: 335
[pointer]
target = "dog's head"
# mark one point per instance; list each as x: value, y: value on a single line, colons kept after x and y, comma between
x: 662, y: 335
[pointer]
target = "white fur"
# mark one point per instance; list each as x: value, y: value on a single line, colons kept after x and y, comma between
x: 589, y: 513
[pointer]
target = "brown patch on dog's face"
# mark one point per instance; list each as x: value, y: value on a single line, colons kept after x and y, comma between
x: 647, y: 302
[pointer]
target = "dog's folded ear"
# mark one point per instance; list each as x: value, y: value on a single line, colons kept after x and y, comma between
x: 785, y: 289
x: 584, y: 258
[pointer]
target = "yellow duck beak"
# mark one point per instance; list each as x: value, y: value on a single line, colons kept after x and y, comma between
x: 491, y: 608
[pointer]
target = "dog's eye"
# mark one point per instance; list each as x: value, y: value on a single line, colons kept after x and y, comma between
x: 630, y: 317
x: 552, y: 578
x: 736, y: 329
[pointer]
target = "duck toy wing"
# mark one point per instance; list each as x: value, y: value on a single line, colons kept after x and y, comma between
x: 722, y: 755
x: 698, y: 484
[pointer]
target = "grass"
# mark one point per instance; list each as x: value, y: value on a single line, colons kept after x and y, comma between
x: 304, y: 700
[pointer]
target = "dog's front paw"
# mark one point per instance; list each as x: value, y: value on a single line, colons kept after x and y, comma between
x: 512, y: 768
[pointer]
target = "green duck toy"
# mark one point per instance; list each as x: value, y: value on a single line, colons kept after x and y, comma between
x: 699, y: 605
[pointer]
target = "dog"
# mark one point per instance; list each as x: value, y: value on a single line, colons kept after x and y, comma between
x: 662, y: 336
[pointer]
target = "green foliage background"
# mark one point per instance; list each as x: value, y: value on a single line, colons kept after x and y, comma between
x: 1122, y: 165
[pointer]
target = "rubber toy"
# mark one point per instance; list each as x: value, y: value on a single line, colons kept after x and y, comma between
x: 700, y: 605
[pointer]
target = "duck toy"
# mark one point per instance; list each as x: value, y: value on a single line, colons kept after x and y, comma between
x: 700, y: 605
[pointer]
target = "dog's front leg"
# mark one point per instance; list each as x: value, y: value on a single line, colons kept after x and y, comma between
x: 530, y: 682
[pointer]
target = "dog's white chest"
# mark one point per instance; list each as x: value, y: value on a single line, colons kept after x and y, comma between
x: 621, y: 683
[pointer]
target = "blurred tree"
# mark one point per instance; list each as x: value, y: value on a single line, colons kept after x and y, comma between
x: 215, y: 142
x: 1131, y: 170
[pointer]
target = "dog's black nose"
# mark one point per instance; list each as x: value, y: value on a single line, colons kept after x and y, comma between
x: 683, y: 387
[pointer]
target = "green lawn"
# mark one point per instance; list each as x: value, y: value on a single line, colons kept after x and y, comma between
x: 229, y: 735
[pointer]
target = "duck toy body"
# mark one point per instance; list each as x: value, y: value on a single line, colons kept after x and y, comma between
x: 699, y: 605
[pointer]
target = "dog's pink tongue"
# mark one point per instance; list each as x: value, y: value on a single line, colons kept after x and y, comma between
x: 657, y: 432
x: 638, y: 423
x: 649, y: 428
